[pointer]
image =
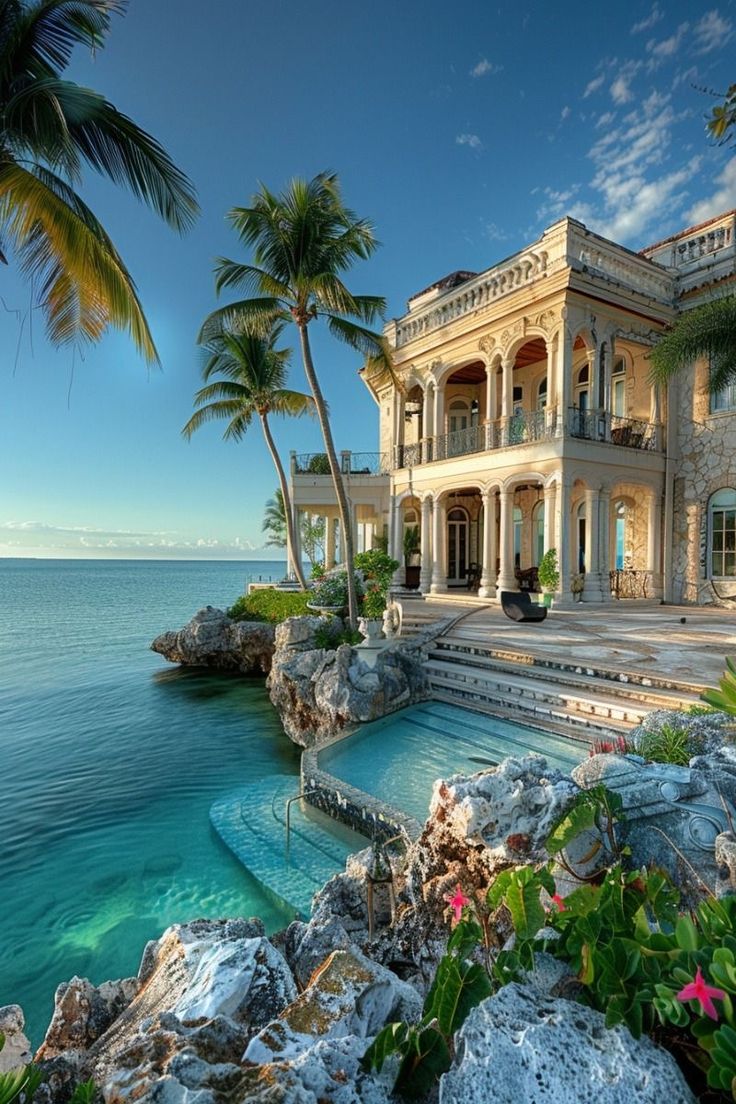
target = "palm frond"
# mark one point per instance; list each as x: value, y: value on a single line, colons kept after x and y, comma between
x: 292, y: 404
x: 230, y: 409
x: 254, y: 314
x: 365, y: 341
x: 84, y: 284
x: 42, y: 37
x: 707, y: 331
x: 248, y: 278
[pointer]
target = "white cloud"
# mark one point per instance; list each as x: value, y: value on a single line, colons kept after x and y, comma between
x: 471, y: 140
x: 666, y: 47
x: 484, y: 68
x: 620, y: 90
x: 44, y: 527
x: 565, y: 113
x: 722, y: 199
x: 711, y: 32
x: 593, y: 86
x: 654, y: 17
x: 39, y: 537
x: 605, y: 119
x: 494, y: 232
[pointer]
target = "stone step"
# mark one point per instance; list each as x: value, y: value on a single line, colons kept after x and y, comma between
x: 629, y: 678
x: 565, y: 680
x: 251, y: 821
x: 538, y: 712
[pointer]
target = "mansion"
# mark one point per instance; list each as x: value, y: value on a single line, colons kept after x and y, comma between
x: 522, y: 417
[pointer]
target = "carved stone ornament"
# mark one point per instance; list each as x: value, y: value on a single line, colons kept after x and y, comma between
x: 487, y: 344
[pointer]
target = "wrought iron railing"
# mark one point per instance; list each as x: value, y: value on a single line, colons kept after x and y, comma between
x: 600, y: 425
x: 628, y: 583
x: 351, y: 463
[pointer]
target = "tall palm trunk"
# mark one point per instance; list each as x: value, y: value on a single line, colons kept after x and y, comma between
x: 342, y: 498
x: 291, y: 542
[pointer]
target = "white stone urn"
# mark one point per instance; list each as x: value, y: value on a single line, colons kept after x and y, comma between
x: 372, y: 630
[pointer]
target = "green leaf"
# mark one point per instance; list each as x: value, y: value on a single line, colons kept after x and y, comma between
x: 457, y: 988
x: 498, y: 888
x: 390, y: 1040
x: 686, y: 934
x: 579, y: 819
x: 427, y: 1059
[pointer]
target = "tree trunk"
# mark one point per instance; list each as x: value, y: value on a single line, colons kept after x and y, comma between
x: 342, y: 498
x: 291, y: 543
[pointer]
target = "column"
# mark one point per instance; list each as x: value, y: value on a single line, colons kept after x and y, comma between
x: 549, y: 517
x: 490, y: 552
x: 425, y: 573
x: 562, y: 540
x: 439, y: 411
x: 329, y: 542
x: 563, y: 376
x: 507, y: 393
x: 592, y: 592
x: 428, y: 421
x: 439, y: 571
x: 490, y: 405
x: 396, y: 541
x: 604, y: 542
x: 506, y: 577
x: 608, y: 376
x: 296, y: 551
x: 654, y: 536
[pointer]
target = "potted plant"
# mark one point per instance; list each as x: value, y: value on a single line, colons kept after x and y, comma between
x: 577, y: 584
x: 377, y: 569
x: 548, y: 575
x: 330, y: 596
x: 371, y: 621
x: 412, y: 545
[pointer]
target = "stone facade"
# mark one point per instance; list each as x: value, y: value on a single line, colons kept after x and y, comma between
x: 525, y: 418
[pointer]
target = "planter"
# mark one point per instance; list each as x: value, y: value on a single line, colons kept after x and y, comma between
x: 372, y: 630
x: 412, y: 577
x: 326, y: 611
x: 547, y: 598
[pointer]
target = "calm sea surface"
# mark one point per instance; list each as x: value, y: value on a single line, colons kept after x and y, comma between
x: 109, y: 761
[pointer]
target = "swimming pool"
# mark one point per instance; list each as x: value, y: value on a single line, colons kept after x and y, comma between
x: 398, y: 758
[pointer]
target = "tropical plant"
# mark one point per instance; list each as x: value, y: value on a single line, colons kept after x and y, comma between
x: 412, y: 543
x: 311, y: 528
x: 252, y: 377
x: 274, y: 521
x: 332, y: 590
x: 331, y: 634
x: 703, y: 332
x: 669, y: 744
x: 18, y: 1086
x: 270, y: 605
x: 313, y: 537
x: 50, y: 127
x: 723, y: 117
x: 319, y: 464
x: 302, y: 243
x: 548, y: 572
x: 377, y: 569
x: 725, y: 697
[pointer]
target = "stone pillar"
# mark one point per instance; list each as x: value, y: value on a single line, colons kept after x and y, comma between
x: 593, y: 591
x: 654, y: 538
x: 506, y: 577
x: 439, y: 571
x: 562, y: 540
x: 329, y: 542
x: 296, y: 551
x: 439, y: 410
x: 507, y: 392
x: 563, y: 375
x: 604, y: 543
x: 549, y: 517
x: 396, y: 541
x: 490, y: 552
x: 490, y: 413
x: 425, y: 573
x: 608, y: 376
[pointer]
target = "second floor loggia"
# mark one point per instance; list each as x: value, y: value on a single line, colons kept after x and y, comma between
x: 589, y: 394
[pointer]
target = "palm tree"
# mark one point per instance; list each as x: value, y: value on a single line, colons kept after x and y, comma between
x: 705, y: 331
x: 302, y: 242
x: 49, y: 127
x: 274, y: 521
x: 311, y: 533
x: 252, y: 375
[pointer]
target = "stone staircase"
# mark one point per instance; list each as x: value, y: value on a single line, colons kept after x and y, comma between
x: 583, y: 700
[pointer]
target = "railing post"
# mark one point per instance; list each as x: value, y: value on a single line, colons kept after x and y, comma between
x: 292, y: 461
x: 345, y: 461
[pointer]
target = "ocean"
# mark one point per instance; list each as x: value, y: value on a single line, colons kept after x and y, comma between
x: 109, y: 760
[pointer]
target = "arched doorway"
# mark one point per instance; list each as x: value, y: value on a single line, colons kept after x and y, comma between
x: 457, y: 546
x: 581, y: 528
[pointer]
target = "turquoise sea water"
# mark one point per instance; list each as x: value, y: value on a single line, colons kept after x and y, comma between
x: 109, y: 761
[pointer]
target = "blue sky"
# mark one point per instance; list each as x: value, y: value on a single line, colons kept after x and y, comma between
x: 461, y: 132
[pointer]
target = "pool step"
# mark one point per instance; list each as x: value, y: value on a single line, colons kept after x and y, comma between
x: 251, y: 821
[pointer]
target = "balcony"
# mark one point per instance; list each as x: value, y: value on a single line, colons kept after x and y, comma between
x: 611, y: 429
x: 351, y: 463
x: 523, y: 428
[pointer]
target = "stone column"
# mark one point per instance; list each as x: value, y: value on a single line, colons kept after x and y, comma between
x: 329, y: 542
x: 296, y: 551
x: 562, y: 540
x: 654, y: 537
x: 396, y: 541
x: 604, y: 542
x: 549, y: 517
x: 425, y: 573
x: 490, y: 552
x: 490, y: 405
x: 439, y: 410
x: 439, y: 571
x: 506, y: 577
x: 592, y: 592
x: 507, y: 392
x: 608, y: 376
x: 563, y: 375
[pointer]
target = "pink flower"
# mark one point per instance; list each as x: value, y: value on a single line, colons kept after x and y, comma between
x: 698, y: 990
x: 557, y: 900
x: 457, y: 902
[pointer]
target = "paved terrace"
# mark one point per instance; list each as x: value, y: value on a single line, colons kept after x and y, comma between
x: 634, y: 636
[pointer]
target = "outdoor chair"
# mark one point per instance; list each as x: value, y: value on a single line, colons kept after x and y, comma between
x: 519, y: 606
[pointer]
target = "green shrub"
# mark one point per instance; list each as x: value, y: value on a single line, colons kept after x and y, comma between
x: 331, y: 635
x: 270, y: 605
x: 319, y: 464
x: 667, y: 744
x: 548, y: 572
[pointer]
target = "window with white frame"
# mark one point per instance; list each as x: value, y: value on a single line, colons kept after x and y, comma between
x: 618, y: 387
x: 722, y: 531
x: 725, y: 399
x: 582, y: 389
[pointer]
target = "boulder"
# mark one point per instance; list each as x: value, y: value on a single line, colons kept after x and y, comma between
x: 348, y: 995
x: 522, y: 1045
x: 82, y: 1013
x: 212, y: 639
x: 327, y: 1072
x: 17, y: 1049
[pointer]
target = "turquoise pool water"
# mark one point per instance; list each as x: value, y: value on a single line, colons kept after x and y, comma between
x: 109, y: 761
x: 399, y: 758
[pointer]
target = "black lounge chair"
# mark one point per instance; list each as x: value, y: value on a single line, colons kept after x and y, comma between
x: 519, y: 606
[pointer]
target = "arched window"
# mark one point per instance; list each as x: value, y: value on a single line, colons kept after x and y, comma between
x: 618, y: 387
x: 542, y: 394
x: 517, y: 536
x: 620, y: 535
x: 458, y: 415
x: 538, y: 531
x: 582, y: 536
x: 722, y: 530
x: 457, y: 545
x: 582, y: 388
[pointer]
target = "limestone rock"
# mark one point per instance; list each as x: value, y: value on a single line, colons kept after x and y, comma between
x: 17, y: 1049
x: 348, y: 995
x: 521, y: 1045
x: 82, y: 1013
x: 327, y: 1072
x: 211, y: 639
x: 705, y: 733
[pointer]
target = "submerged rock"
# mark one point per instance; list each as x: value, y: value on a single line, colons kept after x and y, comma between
x: 212, y: 639
x: 522, y: 1045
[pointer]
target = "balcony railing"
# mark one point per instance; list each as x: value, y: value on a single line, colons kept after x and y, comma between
x: 520, y: 429
x: 600, y: 425
x: 351, y: 463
